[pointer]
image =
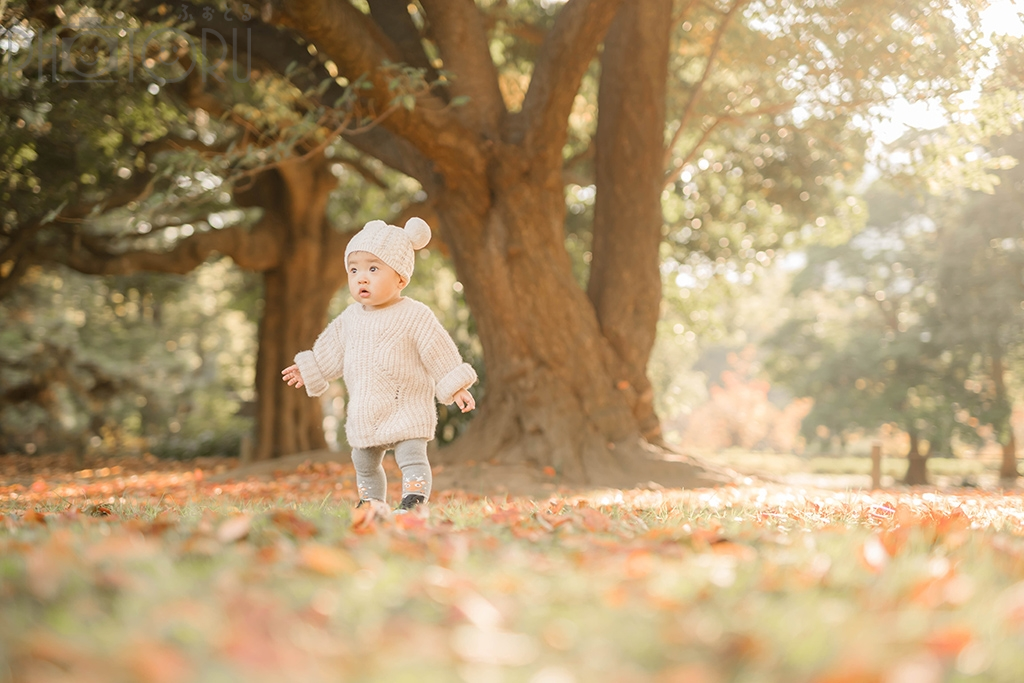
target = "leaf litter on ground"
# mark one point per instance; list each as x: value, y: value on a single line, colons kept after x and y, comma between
x: 168, y: 576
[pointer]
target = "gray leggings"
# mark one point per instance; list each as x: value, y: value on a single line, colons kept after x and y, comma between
x: 411, y: 457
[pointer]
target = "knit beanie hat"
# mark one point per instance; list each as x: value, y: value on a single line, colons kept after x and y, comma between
x: 393, y: 245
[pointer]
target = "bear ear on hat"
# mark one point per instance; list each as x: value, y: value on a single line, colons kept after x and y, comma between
x: 418, y: 232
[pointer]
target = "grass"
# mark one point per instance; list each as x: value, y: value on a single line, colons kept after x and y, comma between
x: 286, y: 581
x: 780, y: 464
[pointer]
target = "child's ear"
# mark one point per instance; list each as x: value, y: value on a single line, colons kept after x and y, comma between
x: 403, y: 282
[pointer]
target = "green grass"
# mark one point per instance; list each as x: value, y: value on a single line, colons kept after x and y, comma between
x: 735, y: 584
x: 783, y: 463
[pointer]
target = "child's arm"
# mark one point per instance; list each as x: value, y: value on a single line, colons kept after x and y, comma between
x: 452, y: 377
x: 316, y: 368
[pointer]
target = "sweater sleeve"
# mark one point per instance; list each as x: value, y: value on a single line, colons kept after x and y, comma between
x: 442, y: 360
x: 325, y: 361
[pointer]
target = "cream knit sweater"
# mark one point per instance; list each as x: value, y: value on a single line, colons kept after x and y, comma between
x: 395, y: 361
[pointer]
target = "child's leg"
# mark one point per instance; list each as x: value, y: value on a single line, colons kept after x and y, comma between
x: 370, y: 478
x: 411, y: 457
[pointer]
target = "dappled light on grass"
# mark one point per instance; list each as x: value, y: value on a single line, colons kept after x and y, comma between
x: 170, y: 576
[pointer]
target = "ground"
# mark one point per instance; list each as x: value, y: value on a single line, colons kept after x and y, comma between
x: 142, y: 570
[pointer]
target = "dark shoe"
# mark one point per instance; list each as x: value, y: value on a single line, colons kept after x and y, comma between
x: 411, y: 500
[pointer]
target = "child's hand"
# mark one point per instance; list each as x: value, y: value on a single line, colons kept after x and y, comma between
x: 292, y: 375
x: 464, y: 400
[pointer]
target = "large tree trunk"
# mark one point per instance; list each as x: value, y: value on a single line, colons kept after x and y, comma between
x: 625, y: 280
x: 1004, y: 427
x: 551, y: 392
x: 917, y: 464
x: 297, y: 293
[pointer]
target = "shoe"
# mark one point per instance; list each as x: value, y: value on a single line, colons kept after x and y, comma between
x: 411, y: 500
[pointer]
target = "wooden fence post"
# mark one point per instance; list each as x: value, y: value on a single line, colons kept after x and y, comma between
x: 876, y: 466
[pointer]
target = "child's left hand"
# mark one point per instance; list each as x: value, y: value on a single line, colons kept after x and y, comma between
x: 464, y: 400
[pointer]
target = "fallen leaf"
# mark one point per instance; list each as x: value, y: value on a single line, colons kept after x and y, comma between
x: 948, y: 642
x: 234, y: 529
x: 324, y: 559
x: 873, y: 554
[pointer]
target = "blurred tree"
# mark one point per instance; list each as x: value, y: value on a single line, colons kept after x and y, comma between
x: 858, y: 340
x: 912, y: 321
x: 486, y: 117
x: 981, y: 290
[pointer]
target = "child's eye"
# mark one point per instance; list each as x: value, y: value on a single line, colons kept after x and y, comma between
x: 373, y: 269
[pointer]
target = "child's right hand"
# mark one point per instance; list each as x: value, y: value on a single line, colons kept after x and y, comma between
x: 292, y: 375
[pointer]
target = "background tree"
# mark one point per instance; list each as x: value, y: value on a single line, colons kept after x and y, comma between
x: 981, y: 292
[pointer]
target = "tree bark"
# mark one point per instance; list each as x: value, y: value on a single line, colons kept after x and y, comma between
x: 1004, y: 428
x: 296, y: 293
x: 625, y: 280
x: 917, y: 464
x: 551, y: 397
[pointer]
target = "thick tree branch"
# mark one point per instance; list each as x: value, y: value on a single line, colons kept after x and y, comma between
x: 256, y: 250
x: 394, y: 19
x: 458, y: 28
x: 567, y: 52
x: 276, y: 49
x: 360, y: 49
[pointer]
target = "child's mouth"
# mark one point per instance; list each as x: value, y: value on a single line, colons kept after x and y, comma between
x: 364, y: 292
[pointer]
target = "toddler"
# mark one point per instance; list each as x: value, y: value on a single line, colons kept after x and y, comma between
x: 395, y: 358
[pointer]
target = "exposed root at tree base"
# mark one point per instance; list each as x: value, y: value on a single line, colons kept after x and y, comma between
x: 658, y: 469
x: 651, y: 468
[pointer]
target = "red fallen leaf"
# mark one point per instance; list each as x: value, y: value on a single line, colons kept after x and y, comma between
x: 234, y: 529
x: 161, y: 523
x: 948, y: 642
x: 365, y: 519
x: 549, y: 471
x: 507, y: 515
x: 594, y: 520
x: 197, y: 475
x: 552, y: 522
x: 34, y: 517
x: 953, y: 521
x: 99, y: 511
x: 410, y: 521
x: 293, y: 523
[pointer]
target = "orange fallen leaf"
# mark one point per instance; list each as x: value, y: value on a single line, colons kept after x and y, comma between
x: 873, y: 554
x: 948, y: 642
x: 325, y: 560
x: 293, y: 523
x: 594, y: 520
x: 99, y: 511
x: 366, y: 518
x: 34, y: 517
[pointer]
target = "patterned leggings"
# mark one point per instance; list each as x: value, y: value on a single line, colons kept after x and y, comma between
x: 411, y: 457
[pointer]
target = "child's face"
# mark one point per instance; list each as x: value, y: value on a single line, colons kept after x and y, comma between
x: 372, y: 282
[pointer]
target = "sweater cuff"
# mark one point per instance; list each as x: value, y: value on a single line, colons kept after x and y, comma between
x: 311, y: 375
x: 461, y: 377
